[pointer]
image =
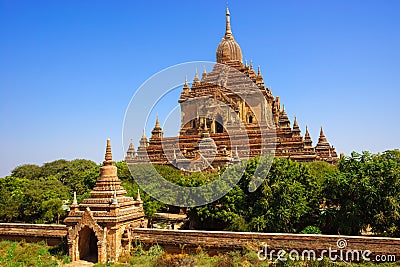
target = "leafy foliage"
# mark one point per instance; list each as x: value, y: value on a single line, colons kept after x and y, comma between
x: 35, y: 194
x: 361, y: 191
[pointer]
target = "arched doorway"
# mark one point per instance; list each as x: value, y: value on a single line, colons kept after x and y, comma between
x: 87, y: 246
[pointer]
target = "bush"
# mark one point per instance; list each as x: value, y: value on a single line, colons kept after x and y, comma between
x: 311, y: 230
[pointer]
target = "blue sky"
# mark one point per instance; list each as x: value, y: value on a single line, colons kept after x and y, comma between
x: 68, y: 69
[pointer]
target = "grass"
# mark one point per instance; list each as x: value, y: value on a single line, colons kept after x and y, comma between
x: 21, y: 254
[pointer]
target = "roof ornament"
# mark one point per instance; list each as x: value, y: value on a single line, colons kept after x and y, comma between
x: 114, y: 201
x: 228, y: 31
x: 75, y: 201
x: 157, y: 122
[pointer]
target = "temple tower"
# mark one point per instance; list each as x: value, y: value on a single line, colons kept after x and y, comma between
x: 213, y: 107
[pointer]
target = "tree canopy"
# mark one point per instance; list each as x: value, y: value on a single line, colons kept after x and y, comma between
x: 362, y: 190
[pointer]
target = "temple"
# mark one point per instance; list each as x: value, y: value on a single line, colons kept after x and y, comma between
x: 231, y: 98
x: 100, y: 227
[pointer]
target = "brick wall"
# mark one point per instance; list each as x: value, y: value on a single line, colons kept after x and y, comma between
x: 213, y: 241
x: 224, y: 241
x: 52, y: 234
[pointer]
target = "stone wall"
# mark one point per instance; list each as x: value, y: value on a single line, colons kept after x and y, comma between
x: 52, y: 234
x: 216, y: 241
x: 175, y: 241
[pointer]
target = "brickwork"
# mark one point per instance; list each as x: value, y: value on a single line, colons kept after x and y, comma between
x: 52, y: 234
x: 218, y: 241
x: 212, y: 241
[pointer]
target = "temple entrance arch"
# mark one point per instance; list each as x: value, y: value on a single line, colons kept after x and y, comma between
x: 87, y: 245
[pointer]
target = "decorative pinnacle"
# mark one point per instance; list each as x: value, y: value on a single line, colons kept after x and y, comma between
x: 321, y: 132
x: 108, y: 156
x: 115, y: 200
x: 75, y: 201
x: 295, y: 122
x: 259, y: 71
x: 322, y: 138
x: 205, y: 70
x: 157, y: 122
x: 138, y: 196
x: 307, y: 133
x: 228, y: 31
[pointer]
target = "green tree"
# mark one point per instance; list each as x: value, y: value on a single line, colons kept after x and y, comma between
x: 28, y: 171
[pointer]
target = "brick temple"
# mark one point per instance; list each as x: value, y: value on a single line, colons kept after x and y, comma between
x: 100, y: 227
x: 231, y: 98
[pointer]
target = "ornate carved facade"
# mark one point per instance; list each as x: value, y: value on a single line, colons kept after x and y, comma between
x: 232, y: 97
x: 100, y: 228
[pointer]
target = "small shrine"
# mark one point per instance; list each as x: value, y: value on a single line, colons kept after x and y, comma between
x: 100, y: 228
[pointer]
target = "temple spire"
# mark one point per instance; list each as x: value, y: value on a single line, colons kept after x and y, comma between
x: 185, y: 89
x: 228, y: 31
x: 307, y: 139
x: 204, y: 75
x: 259, y: 78
x: 130, y: 154
x: 108, y: 157
x: 307, y: 133
x: 322, y: 138
x: 296, y: 128
x: 157, y: 122
x: 196, y: 80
